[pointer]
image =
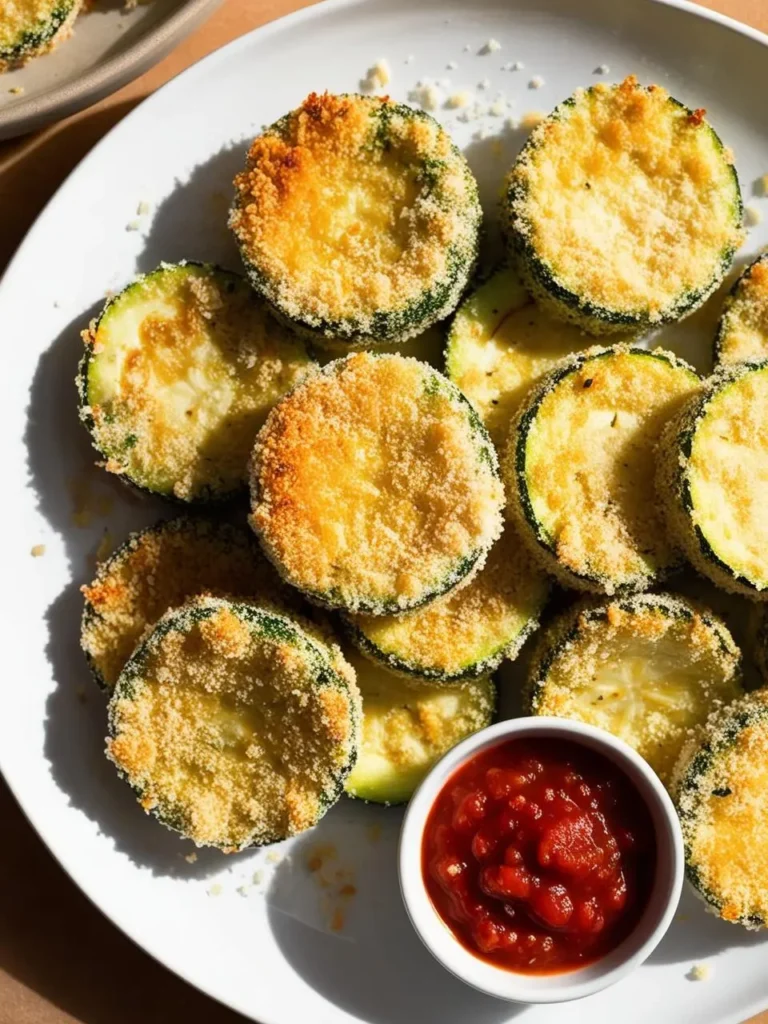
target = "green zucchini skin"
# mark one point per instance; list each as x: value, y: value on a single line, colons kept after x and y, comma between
x: 116, y: 452
x: 336, y: 599
x: 438, y: 298
x: 41, y: 36
x: 692, y: 784
x: 542, y: 279
x: 673, y: 482
x: 272, y: 625
x: 726, y: 348
x: 514, y: 468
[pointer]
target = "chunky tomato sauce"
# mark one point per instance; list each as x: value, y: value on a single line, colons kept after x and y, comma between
x: 539, y: 855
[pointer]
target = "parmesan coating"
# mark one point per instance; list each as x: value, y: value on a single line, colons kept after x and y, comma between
x: 712, y: 478
x: 743, y: 329
x: 722, y: 799
x: 29, y: 28
x: 406, y: 729
x: 580, y: 466
x: 161, y: 568
x: 625, y: 207
x: 467, y: 633
x: 232, y: 725
x: 374, y: 486
x: 357, y: 218
x: 179, y: 373
x: 648, y: 669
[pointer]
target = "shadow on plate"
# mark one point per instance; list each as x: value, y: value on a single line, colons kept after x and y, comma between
x: 374, y: 966
x: 695, y: 935
x: 191, y: 222
x: 63, y: 475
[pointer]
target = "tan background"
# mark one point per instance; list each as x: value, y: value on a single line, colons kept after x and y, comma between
x: 60, y: 961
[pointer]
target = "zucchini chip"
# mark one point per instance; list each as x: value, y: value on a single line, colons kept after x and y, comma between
x: 31, y: 27
x: 179, y: 372
x: 466, y: 634
x: 357, y: 219
x: 162, y: 567
x: 579, y: 467
x: 722, y: 799
x: 713, y: 479
x: 234, y: 725
x: 499, y: 344
x: 647, y: 668
x: 743, y: 329
x: 624, y: 208
x: 375, y: 487
x: 406, y: 729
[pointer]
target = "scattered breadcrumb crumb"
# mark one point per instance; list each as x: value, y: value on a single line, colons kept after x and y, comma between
x: 517, y: 66
x: 191, y: 858
x: 132, y: 225
x: 513, y: 123
x: 466, y: 47
x: 762, y: 183
x: 257, y: 877
x: 536, y: 82
x: 699, y: 972
x: 480, y: 134
x: 484, y: 83
x: 37, y: 550
x: 106, y: 546
x: 143, y: 208
x: 498, y: 108
x: 377, y: 76
x: 451, y: 65
x: 425, y: 94
x: 243, y: 890
x: 497, y: 149
x: 337, y: 921
x: 492, y: 46
x: 274, y: 857
x: 459, y: 99
x: 752, y: 216
x: 215, y: 890
x: 532, y: 118
x: 16, y: 90
x: 601, y: 69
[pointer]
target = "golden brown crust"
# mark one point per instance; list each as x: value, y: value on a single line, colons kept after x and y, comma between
x: 743, y: 329
x: 373, y: 487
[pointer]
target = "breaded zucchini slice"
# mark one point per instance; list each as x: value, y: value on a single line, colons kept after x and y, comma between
x: 467, y: 633
x: 375, y: 488
x: 160, y: 568
x: 742, y: 332
x: 31, y: 27
x: 357, y: 219
x: 713, y: 478
x: 500, y: 343
x: 579, y: 467
x: 179, y: 372
x: 647, y: 668
x: 406, y: 729
x: 233, y: 724
x: 721, y: 783
x: 624, y: 208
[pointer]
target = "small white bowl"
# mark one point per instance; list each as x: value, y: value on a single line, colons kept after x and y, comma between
x: 575, y: 984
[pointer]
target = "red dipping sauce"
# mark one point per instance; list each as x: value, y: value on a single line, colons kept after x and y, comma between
x: 539, y: 855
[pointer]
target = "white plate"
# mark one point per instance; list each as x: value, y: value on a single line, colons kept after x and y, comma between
x: 111, y: 44
x: 179, y: 151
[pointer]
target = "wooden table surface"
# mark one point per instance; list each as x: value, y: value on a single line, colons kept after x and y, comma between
x: 61, y: 962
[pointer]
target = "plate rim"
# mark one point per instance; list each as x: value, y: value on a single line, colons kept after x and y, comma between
x: 62, y: 101
x: 313, y: 10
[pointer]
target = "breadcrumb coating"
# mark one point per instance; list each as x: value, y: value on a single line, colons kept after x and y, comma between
x: 232, y: 725
x: 467, y: 633
x: 649, y: 669
x: 625, y: 207
x: 579, y: 466
x: 29, y: 28
x: 161, y: 568
x: 743, y: 329
x: 357, y: 218
x: 374, y: 486
x: 722, y: 799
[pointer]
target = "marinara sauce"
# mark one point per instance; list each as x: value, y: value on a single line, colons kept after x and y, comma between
x: 539, y: 855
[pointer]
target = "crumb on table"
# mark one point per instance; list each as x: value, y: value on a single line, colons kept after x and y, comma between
x: 37, y: 550
x: 699, y: 972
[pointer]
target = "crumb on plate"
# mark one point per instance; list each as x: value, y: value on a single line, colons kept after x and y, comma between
x: 37, y: 550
